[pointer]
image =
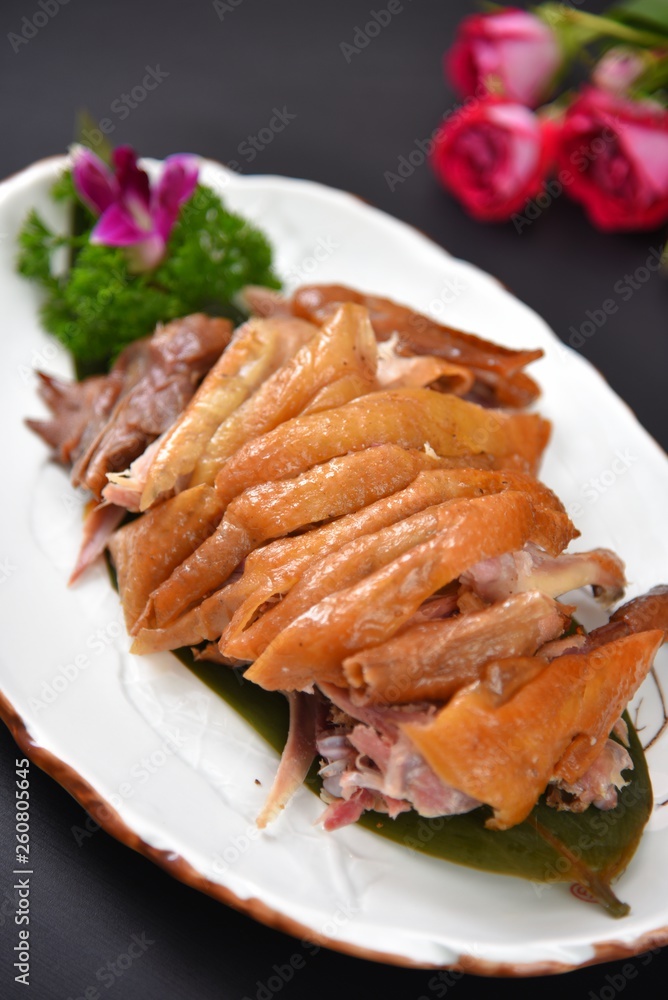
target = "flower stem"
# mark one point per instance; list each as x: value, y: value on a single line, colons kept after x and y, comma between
x: 614, y: 29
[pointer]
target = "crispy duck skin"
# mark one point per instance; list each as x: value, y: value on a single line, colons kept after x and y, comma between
x: 503, y: 746
x: 433, y: 660
x: 497, y: 370
x: 204, y: 570
x: 257, y: 349
x: 313, y: 647
x: 410, y: 418
x: 416, y: 331
x: 271, y: 510
x: 147, y: 549
x: 376, y: 472
x: 337, y: 393
x: 345, y: 346
x: 642, y: 614
x: 363, y: 555
x: 274, y: 568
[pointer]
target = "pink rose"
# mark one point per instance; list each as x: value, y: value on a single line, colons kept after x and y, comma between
x: 511, y: 53
x: 616, y: 151
x: 493, y: 156
x: 618, y: 69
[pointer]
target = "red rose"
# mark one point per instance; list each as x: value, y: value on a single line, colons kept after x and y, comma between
x: 493, y: 156
x: 512, y: 53
x: 616, y: 151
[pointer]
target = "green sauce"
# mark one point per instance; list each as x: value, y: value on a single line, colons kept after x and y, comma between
x: 592, y: 847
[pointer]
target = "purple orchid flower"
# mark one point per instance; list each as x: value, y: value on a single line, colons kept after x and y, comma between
x: 133, y: 213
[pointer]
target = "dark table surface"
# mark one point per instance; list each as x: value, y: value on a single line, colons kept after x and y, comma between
x: 223, y: 68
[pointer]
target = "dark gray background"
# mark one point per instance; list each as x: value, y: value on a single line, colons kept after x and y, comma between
x: 353, y: 121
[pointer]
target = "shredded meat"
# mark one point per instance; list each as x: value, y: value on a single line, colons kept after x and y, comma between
x: 598, y: 785
x: 369, y: 764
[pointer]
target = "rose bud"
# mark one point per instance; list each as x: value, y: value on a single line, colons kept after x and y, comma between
x: 512, y: 53
x: 618, y: 69
x: 493, y: 156
x: 616, y: 151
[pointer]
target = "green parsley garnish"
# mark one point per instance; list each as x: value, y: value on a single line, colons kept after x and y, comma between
x: 99, y: 305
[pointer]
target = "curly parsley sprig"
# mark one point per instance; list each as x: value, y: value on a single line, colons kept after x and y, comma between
x: 102, y: 302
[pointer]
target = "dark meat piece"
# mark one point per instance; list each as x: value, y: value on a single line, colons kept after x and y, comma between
x: 76, y: 407
x: 103, y: 423
x: 642, y: 614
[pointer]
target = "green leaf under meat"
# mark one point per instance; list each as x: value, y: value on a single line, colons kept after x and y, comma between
x: 592, y: 848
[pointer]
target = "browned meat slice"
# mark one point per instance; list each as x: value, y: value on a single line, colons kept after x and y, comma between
x: 434, y: 659
x: 99, y: 526
x: 146, y: 550
x: 650, y: 611
x: 503, y: 739
x: 498, y: 374
x: 75, y: 407
x: 642, y: 614
x: 179, y: 356
x: 81, y: 410
x: 103, y: 423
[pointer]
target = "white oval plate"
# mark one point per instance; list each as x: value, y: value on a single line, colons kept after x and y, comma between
x: 170, y: 769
